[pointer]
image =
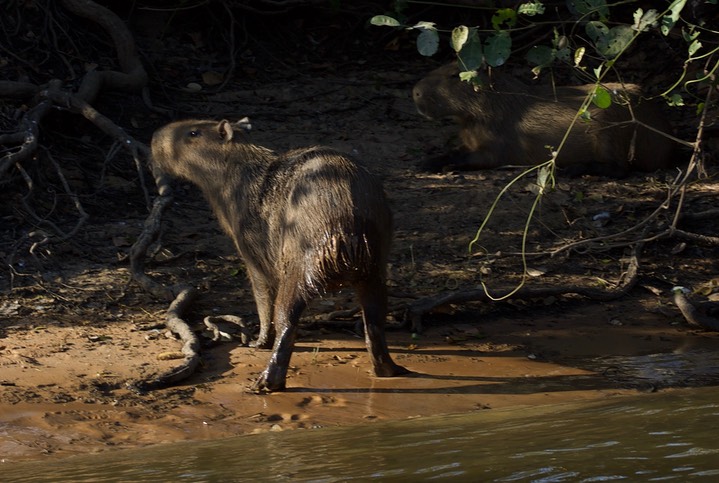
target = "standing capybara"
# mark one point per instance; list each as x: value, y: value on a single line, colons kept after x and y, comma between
x: 304, y: 222
x: 506, y: 122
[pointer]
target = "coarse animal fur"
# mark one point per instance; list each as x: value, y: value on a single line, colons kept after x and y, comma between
x: 506, y: 122
x: 304, y: 222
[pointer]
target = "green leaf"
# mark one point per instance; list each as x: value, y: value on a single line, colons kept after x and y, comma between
x: 589, y: 7
x: 691, y: 35
x: 531, y: 9
x: 459, y: 37
x: 428, y: 42
x: 424, y: 26
x: 504, y: 16
x: 543, y: 176
x: 609, y: 42
x: 471, y: 56
x: 579, y: 55
x: 694, y: 46
x: 671, y: 18
x: 644, y: 20
x: 602, y: 98
x: 498, y: 48
x: 384, y: 21
x: 675, y: 100
x: 541, y: 55
x: 469, y: 76
x: 596, y: 30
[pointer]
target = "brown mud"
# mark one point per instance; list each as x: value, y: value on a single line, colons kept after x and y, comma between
x: 72, y: 340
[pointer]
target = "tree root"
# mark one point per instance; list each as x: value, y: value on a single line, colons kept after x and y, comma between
x: 218, y: 335
x: 132, y: 77
x: 697, y: 316
x: 190, y: 347
x: 416, y: 309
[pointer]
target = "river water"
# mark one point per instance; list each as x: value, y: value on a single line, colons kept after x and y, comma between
x: 668, y: 436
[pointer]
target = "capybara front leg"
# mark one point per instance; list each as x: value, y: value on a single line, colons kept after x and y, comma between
x: 287, y: 316
x: 264, y: 298
x: 373, y: 299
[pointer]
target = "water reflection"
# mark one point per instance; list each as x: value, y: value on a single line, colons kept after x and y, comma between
x: 656, y: 437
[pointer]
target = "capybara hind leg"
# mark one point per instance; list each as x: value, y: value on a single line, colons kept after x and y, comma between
x: 373, y: 299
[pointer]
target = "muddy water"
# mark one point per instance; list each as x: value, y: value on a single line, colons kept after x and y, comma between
x: 665, y: 436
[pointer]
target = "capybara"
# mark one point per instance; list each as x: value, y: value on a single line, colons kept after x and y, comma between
x: 304, y: 222
x: 506, y: 122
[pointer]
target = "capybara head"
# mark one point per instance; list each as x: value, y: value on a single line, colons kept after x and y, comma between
x: 203, y: 141
x: 443, y: 95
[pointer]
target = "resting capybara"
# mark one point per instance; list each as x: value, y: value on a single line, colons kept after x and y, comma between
x: 304, y: 222
x: 506, y: 122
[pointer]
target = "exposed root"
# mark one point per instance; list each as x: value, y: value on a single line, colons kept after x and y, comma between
x: 23, y: 144
x: 190, y: 345
x: 416, y: 309
x: 701, y: 316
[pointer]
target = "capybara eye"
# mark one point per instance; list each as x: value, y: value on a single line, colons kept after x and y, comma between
x: 194, y: 134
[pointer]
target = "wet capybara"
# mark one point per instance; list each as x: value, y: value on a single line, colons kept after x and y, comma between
x: 304, y: 222
x: 506, y: 122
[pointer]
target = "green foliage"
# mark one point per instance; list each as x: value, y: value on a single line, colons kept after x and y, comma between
x: 470, y: 53
x: 671, y: 18
x: 602, y: 98
x: 498, y: 49
x: 543, y: 56
x: 531, y: 9
x: 609, y: 42
x: 427, y: 40
x: 384, y: 20
x: 589, y: 8
x: 608, y: 37
x: 504, y: 17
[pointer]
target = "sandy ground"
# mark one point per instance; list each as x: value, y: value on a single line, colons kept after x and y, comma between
x: 63, y: 386
x: 74, y: 334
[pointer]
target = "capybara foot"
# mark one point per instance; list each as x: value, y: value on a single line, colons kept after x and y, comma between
x: 264, y: 384
x: 390, y: 369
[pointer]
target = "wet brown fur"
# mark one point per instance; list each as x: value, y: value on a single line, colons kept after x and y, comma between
x: 305, y: 222
x: 506, y: 122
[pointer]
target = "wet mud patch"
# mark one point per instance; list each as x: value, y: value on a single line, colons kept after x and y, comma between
x: 466, y: 362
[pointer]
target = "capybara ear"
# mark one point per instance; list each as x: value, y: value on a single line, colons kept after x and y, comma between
x: 224, y: 129
x: 244, y: 124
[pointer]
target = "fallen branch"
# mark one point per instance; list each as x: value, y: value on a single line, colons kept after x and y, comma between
x: 416, y: 309
x: 693, y: 315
